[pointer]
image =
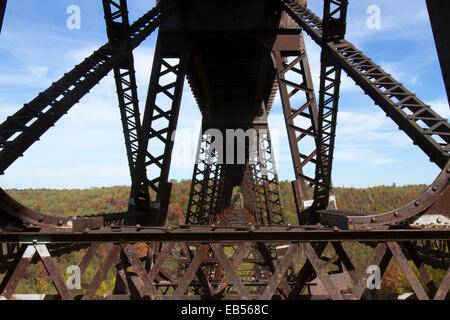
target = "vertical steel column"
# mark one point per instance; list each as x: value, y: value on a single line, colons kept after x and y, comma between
x: 439, y: 12
x: 334, y: 25
x: 260, y: 185
x: 207, y: 181
x: 118, y: 29
x: 294, y: 76
x: 157, y: 132
x: 2, y: 12
x: 271, y: 184
x: 257, y: 186
x: 252, y: 201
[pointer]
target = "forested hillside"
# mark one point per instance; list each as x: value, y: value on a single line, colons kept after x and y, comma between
x: 114, y: 199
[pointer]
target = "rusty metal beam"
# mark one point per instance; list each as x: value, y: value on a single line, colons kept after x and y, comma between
x: 334, y: 21
x: 402, y: 106
x: 207, y: 184
x: 301, y: 119
x: 28, y: 124
x: 162, y: 107
x: 215, y: 233
x: 2, y: 12
x: 439, y: 12
x: 118, y: 30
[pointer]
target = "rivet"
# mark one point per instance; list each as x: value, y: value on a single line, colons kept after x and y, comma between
x: 417, y: 203
x: 396, y: 214
x: 138, y: 227
x: 60, y: 223
x: 373, y: 220
x: 435, y: 188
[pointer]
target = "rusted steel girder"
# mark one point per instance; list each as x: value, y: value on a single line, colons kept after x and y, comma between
x: 439, y: 12
x: 157, y: 132
x: 28, y: 124
x: 402, y: 106
x: 238, y: 276
x: 399, y: 104
x: 2, y: 12
x: 252, y: 197
x: 198, y: 233
x: 266, y: 179
x: 334, y: 20
x: 428, y: 203
x: 301, y: 121
x: 118, y: 29
x: 207, y: 184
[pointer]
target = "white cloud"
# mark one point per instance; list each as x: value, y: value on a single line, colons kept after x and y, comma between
x: 441, y: 107
x: 86, y: 147
x: 362, y: 156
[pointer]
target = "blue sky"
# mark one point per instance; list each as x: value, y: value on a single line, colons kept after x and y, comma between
x: 86, y: 147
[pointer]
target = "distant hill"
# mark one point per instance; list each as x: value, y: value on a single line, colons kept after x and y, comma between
x: 114, y: 199
x: 75, y: 202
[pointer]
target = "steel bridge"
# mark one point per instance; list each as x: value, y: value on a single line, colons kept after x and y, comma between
x: 235, y: 55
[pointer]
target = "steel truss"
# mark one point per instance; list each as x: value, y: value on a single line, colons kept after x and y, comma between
x: 213, y: 182
x: 207, y: 195
x: 28, y: 124
x: 334, y: 20
x: 425, y: 127
x: 158, y: 133
x: 118, y: 29
x: 439, y: 15
x: 294, y: 78
x: 261, y: 182
x: 255, y: 256
x: 244, y: 269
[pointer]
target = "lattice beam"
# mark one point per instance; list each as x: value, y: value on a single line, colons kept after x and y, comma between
x: 28, y: 124
x: 294, y: 78
x: 157, y: 132
x: 118, y: 29
x: 242, y: 270
x: 335, y: 13
x: 427, y: 129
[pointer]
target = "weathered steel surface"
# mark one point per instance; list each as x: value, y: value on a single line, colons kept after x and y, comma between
x: 334, y: 20
x: 231, y: 280
x: 234, y: 55
x: 439, y: 12
x: 224, y: 234
x: 28, y: 124
x: 399, y: 104
x: 118, y: 30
